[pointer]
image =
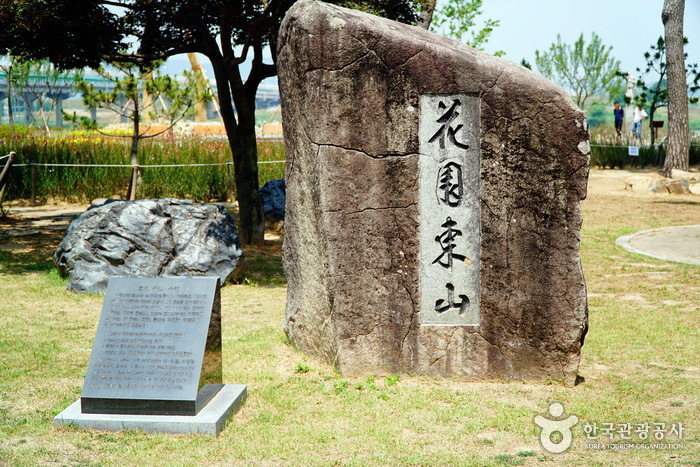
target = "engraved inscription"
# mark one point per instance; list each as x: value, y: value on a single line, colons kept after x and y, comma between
x: 442, y: 306
x: 450, y: 225
x: 450, y: 189
x: 446, y: 125
x: 144, y: 342
x: 447, y: 242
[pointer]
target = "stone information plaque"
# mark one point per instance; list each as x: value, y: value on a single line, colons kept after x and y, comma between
x: 450, y: 229
x: 149, y: 350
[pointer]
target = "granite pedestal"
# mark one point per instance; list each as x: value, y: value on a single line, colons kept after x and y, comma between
x: 209, y: 421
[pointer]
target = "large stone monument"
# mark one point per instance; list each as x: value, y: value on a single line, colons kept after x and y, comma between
x: 433, y: 217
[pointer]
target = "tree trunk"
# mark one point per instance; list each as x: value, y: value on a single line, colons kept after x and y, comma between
x: 241, y: 137
x: 135, y: 171
x: 426, y: 13
x: 677, y: 154
x: 245, y: 165
x: 10, y: 113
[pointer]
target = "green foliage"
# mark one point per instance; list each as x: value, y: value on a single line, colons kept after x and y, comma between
x: 340, y: 386
x: 79, y: 120
x: 132, y: 85
x: 35, y: 81
x: 598, y: 115
x: 458, y: 19
x: 87, y: 183
x: 401, y: 10
x: 612, y: 153
x: 39, y: 80
x: 392, y: 380
x: 586, y: 70
x: 78, y: 33
x: 654, y: 93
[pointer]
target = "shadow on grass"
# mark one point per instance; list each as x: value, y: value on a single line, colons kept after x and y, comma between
x: 262, y: 265
x: 678, y: 202
x: 28, y: 253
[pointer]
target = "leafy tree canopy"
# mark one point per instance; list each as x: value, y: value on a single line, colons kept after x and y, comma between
x: 651, y: 81
x: 586, y: 70
x: 78, y: 33
x: 458, y: 19
x: 652, y: 84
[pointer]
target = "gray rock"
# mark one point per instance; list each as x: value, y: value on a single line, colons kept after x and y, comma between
x: 675, y: 187
x: 273, y: 195
x: 147, y: 238
x: 352, y: 86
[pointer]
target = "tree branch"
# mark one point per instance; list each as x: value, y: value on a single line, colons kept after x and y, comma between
x: 253, y: 33
x: 117, y: 4
x: 138, y: 59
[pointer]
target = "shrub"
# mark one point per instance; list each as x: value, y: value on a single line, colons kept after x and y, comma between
x: 202, y: 183
x: 610, y: 152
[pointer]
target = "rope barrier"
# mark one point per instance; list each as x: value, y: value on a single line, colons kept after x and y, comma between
x: 625, y: 147
x: 146, y: 166
x: 621, y: 147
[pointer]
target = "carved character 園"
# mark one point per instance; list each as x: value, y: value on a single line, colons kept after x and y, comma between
x: 449, y: 184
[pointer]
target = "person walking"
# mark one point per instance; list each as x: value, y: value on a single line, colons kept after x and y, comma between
x: 639, y: 116
x: 619, y: 117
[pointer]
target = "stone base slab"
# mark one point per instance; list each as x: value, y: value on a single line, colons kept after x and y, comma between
x: 209, y: 421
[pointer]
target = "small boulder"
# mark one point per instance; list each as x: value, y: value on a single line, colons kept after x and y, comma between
x: 147, y: 238
x: 675, y: 187
x: 273, y: 195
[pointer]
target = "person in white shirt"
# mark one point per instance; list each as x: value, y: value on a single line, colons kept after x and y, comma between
x: 639, y: 116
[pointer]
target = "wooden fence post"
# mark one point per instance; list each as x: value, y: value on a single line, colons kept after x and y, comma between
x: 230, y: 183
x: 6, y: 171
x: 33, y: 182
x: 4, y: 176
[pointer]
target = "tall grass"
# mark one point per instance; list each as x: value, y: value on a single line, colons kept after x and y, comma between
x: 610, y: 151
x: 203, y: 183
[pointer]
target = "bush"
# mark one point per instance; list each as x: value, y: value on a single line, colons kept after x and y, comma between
x: 609, y: 151
x: 203, y: 183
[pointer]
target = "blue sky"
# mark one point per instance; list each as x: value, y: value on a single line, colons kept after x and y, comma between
x: 629, y: 26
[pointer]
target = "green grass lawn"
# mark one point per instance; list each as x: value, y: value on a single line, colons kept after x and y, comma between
x: 640, y: 364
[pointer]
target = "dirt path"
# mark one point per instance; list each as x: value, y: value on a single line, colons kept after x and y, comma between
x: 25, y: 219
x: 28, y: 224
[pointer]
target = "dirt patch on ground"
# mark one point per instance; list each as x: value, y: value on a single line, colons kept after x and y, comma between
x: 39, y: 228
x: 30, y: 226
x: 634, y: 183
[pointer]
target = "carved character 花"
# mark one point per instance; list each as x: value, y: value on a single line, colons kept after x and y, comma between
x: 446, y: 121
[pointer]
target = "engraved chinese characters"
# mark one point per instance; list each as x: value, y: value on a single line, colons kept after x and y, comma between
x: 449, y: 209
x: 433, y: 216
